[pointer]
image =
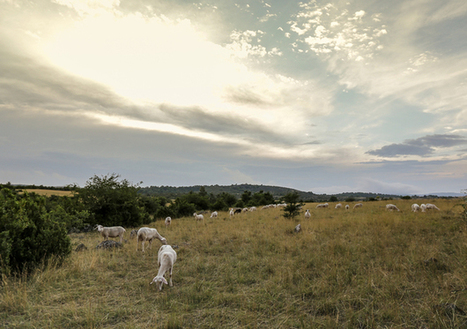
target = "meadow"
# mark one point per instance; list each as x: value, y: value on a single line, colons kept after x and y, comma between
x: 362, y: 268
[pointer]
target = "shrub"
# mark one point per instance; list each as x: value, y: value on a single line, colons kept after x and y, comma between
x: 112, y: 202
x: 29, y: 234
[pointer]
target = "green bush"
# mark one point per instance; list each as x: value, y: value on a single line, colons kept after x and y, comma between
x: 29, y: 234
x: 112, y: 202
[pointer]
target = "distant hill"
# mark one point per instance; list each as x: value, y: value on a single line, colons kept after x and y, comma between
x: 277, y: 192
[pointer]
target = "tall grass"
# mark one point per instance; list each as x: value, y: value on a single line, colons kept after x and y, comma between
x: 363, y: 268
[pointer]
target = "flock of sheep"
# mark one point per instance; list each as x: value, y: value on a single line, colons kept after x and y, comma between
x: 391, y: 207
x: 167, y: 256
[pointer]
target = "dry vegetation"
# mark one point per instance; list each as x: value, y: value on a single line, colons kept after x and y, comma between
x: 363, y: 268
x: 48, y: 193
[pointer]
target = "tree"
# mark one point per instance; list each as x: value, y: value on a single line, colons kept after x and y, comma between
x: 246, y: 197
x: 29, y: 234
x: 293, y: 206
x: 113, y: 202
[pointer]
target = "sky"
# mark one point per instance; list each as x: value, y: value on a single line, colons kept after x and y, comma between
x: 322, y: 96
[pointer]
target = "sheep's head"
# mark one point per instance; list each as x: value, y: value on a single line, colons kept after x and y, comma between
x: 164, y: 240
x: 99, y: 228
x: 159, y: 280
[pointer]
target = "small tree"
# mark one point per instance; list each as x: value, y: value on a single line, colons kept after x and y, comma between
x: 293, y: 205
x: 113, y: 202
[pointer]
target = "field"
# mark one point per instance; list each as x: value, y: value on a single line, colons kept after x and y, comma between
x: 48, y: 193
x: 362, y: 268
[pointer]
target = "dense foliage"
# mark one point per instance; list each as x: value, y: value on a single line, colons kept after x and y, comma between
x: 112, y: 202
x: 29, y: 233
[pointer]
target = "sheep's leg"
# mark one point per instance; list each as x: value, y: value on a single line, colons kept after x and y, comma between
x: 170, y: 277
x: 142, y: 245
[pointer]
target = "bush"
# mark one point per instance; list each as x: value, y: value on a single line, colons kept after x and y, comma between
x: 112, y: 202
x: 29, y: 234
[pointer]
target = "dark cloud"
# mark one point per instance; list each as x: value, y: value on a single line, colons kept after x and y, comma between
x: 226, y: 124
x: 244, y: 96
x: 422, y: 146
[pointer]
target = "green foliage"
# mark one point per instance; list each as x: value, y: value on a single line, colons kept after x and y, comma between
x: 112, y: 202
x: 406, y: 197
x: 182, y: 208
x: 333, y: 199
x: 293, y: 207
x: 29, y: 234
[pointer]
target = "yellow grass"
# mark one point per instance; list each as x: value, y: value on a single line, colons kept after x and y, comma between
x: 49, y: 192
x: 363, y: 268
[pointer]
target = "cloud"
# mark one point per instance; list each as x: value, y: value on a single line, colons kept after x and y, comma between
x: 422, y: 146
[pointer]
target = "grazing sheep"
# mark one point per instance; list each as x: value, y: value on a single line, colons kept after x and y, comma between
x: 244, y: 209
x: 423, y: 207
x: 431, y: 206
x: 237, y: 211
x: 133, y: 234
x: 322, y: 205
x: 198, y: 217
x: 358, y: 205
x: 339, y: 205
x: 168, y: 221
x: 415, y: 207
x: 166, y: 258
x: 298, y: 228
x: 252, y: 209
x: 112, y: 232
x: 148, y: 234
x: 391, y: 207
x: 347, y: 207
x: 214, y: 214
x: 307, y: 214
x: 282, y: 205
x: 231, y: 212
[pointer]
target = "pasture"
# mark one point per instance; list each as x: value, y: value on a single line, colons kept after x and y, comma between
x: 362, y: 268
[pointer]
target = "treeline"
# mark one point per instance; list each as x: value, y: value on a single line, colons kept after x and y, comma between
x: 277, y: 192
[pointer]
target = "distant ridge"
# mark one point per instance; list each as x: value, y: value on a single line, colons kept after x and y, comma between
x: 276, y: 191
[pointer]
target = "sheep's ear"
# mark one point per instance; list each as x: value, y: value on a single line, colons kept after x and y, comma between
x: 164, y: 280
x: 152, y: 281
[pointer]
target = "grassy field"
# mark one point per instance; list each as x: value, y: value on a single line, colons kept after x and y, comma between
x: 48, y: 193
x: 363, y: 268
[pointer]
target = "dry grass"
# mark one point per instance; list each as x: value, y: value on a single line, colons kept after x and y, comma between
x: 49, y: 192
x: 366, y: 268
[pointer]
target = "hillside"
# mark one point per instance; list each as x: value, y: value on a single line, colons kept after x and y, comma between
x: 238, y: 189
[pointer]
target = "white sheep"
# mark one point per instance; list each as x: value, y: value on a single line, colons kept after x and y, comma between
x: 415, y: 207
x: 252, y: 209
x: 111, y: 232
x: 168, y: 221
x: 244, y: 209
x: 339, y: 205
x: 423, y: 207
x: 391, y: 207
x: 347, y: 207
x: 198, y: 217
x: 431, y: 206
x: 307, y: 214
x: 322, y: 205
x: 298, y: 228
x: 166, y: 258
x: 148, y: 234
x: 214, y: 214
x: 358, y: 205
